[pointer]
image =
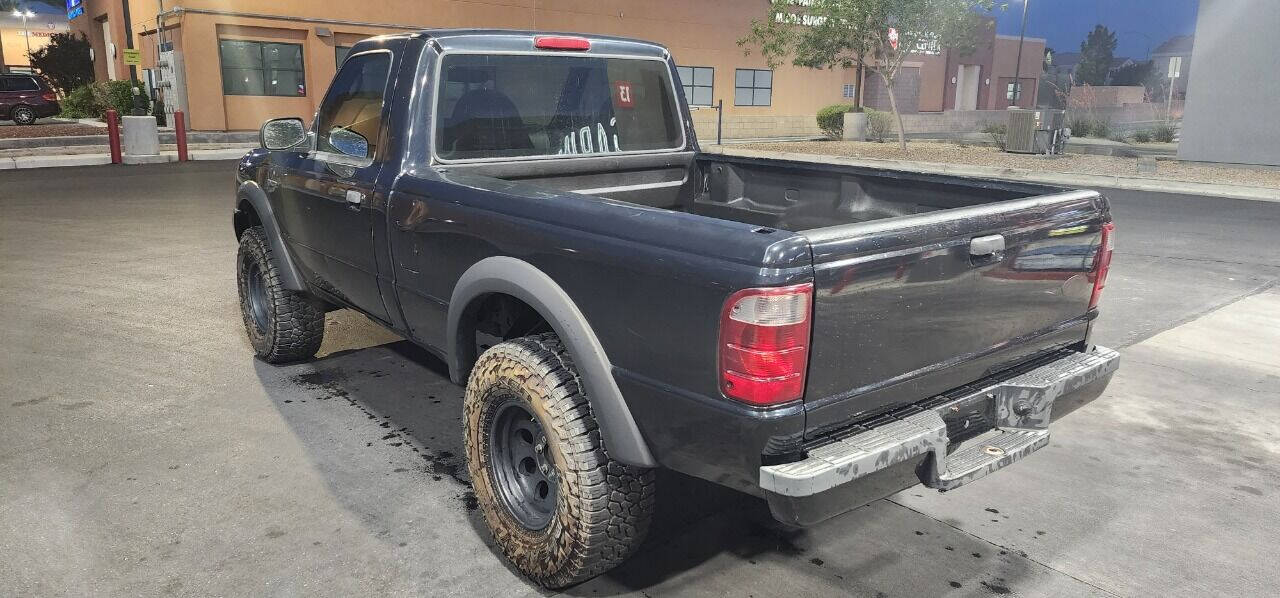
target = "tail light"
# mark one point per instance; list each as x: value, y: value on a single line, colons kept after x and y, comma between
x: 764, y: 344
x: 49, y: 96
x: 1102, y: 262
x: 561, y: 43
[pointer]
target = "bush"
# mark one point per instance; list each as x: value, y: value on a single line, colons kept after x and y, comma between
x: 831, y: 119
x: 999, y: 133
x: 119, y: 95
x: 82, y: 102
x: 1080, y: 126
x: 1100, y: 128
x: 879, y: 124
x: 1164, y: 133
x: 1142, y: 136
x: 1119, y: 136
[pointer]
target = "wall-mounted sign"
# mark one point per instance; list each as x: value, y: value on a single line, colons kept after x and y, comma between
x: 75, y: 8
x: 133, y: 57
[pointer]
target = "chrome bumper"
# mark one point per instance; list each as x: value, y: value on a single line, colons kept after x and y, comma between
x: 1019, y: 407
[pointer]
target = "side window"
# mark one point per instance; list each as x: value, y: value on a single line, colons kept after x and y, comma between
x: 351, y: 115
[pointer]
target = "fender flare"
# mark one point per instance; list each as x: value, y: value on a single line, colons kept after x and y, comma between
x: 290, y: 276
x: 518, y: 278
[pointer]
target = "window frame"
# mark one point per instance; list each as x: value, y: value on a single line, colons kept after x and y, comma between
x: 375, y: 145
x: 264, y: 69
x: 437, y: 65
x: 848, y: 90
x: 338, y: 48
x: 693, y: 75
x: 754, y: 87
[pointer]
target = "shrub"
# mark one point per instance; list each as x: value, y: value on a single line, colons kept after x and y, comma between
x: 1100, y: 128
x: 1142, y: 136
x: 1164, y: 133
x: 1119, y: 136
x: 1080, y: 126
x: 119, y: 95
x: 831, y: 119
x: 999, y: 133
x: 82, y: 102
x: 879, y: 124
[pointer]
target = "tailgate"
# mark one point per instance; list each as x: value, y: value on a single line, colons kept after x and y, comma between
x: 909, y: 307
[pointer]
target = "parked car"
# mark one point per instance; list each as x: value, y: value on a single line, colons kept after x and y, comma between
x: 534, y: 210
x: 24, y: 98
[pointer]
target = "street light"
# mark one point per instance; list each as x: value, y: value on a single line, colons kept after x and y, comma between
x: 24, y: 15
x: 1017, y: 69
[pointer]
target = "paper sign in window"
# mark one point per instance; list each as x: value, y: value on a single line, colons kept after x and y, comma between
x: 623, y: 91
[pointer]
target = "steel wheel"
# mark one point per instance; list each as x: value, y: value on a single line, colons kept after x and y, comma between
x: 257, y: 297
x: 523, y: 473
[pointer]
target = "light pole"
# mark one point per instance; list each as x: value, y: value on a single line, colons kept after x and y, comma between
x: 1017, y: 70
x: 24, y: 15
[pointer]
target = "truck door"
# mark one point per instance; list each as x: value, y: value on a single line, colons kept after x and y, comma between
x: 329, y: 194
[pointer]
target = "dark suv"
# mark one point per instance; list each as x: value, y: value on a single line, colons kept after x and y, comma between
x: 24, y: 98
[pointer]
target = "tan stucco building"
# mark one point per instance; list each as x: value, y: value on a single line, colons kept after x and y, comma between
x: 218, y: 44
x: 17, y: 35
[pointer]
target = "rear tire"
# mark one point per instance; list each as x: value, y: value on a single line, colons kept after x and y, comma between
x: 559, y: 508
x: 283, y: 325
x: 23, y: 115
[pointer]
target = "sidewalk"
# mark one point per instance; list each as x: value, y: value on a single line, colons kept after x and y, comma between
x: 804, y: 152
x: 95, y: 159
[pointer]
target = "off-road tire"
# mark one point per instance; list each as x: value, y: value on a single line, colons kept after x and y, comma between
x: 293, y: 326
x: 23, y: 115
x: 603, y: 507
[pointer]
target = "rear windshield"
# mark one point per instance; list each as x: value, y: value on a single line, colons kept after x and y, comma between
x: 501, y: 106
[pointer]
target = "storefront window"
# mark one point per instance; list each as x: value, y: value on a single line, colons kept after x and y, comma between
x: 261, y: 68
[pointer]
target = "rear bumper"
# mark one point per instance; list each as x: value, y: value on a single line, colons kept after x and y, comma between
x: 852, y: 471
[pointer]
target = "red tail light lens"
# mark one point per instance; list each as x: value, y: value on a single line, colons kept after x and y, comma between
x: 764, y: 344
x: 49, y: 96
x: 561, y: 43
x: 1102, y: 262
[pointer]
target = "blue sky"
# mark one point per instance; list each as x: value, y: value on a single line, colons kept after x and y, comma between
x: 1137, y: 23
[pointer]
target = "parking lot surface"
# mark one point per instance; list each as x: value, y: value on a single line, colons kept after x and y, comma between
x: 144, y: 451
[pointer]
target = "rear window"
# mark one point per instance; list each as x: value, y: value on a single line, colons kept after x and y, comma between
x: 505, y: 106
x: 19, y: 84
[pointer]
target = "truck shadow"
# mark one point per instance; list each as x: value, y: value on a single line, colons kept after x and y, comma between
x: 407, y: 411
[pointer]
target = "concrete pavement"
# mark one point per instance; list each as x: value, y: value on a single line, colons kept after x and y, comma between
x: 144, y: 451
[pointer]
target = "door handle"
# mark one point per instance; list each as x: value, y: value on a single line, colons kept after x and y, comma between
x: 988, y: 245
x: 354, y: 197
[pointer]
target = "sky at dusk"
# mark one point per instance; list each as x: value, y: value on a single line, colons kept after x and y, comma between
x: 1138, y: 24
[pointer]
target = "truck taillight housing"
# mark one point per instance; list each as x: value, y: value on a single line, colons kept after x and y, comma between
x: 764, y: 344
x: 1102, y: 262
x: 549, y: 42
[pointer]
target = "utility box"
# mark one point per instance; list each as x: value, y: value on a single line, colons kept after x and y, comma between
x: 1036, y: 132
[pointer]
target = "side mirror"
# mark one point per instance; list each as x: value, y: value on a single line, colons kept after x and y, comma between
x: 348, y: 142
x: 282, y: 133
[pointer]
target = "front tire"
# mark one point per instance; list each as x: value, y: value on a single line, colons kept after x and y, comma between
x: 559, y: 508
x: 23, y: 115
x: 283, y: 325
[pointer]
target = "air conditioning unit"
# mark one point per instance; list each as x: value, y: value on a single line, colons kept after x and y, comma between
x: 1036, y: 132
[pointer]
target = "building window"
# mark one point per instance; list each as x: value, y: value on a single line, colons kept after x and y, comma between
x: 261, y: 68
x: 351, y: 114
x: 752, y: 87
x: 848, y: 90
x: 1012, y: 89
x: 698, y: 82
x: 340, y: 55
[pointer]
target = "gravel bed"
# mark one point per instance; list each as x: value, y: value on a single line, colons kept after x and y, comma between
x: 49, y: 130
x: 955, y: 153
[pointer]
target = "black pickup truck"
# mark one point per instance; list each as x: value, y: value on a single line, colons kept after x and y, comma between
x: 534, y: 209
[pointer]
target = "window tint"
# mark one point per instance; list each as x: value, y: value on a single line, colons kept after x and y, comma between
x: 351, y: 115
x: 496, y: 106
x: 19, y: 84
x: 261, y: 68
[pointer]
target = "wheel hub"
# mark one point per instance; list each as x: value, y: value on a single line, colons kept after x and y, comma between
x: 521, y: 467
x: 257, y: 297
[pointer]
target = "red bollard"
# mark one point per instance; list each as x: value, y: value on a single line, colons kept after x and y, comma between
x: 113, y: 136
x: 180, y: 132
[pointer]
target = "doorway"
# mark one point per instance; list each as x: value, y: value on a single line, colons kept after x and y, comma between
x: 109, y: 49
x: 967, y: 86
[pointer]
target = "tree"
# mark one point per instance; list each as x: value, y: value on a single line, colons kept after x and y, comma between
x: 8, y: 6
x: 1133, y: 74
x: 856, y: 33
x: 1096, y: 53
x: 64, y: 61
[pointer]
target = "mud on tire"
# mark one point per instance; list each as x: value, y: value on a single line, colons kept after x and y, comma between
x: 283, y: 325
x: 601, y: 507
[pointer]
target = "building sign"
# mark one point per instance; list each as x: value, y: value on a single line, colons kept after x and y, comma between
x: 133, y: 57
x: 893, y: 38
x: 75, y: 8
x: 1175, y: 67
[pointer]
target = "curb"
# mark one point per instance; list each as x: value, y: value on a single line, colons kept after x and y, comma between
x: 26, y: 162
x: 1024, y: 176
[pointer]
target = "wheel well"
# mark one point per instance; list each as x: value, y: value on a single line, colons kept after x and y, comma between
x: 490, y: 319
x: 245, y: 217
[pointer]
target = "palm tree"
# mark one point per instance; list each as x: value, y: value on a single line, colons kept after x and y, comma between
x: 8, y: 6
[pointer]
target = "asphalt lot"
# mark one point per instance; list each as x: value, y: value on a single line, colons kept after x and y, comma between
x: 144, y: 451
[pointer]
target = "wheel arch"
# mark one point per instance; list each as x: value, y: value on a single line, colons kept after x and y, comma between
x: 253, y: 208
x: 523, y: 281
